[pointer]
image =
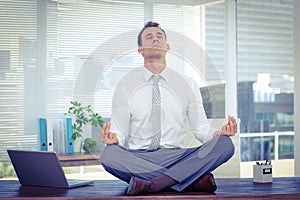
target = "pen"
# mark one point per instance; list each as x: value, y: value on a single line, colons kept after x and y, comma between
x: 268, y: 162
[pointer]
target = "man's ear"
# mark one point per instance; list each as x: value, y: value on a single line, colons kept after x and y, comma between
x: 140, y: 50
x: 168, y: 47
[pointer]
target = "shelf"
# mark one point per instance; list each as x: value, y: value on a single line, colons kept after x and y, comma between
x: 80, y: 159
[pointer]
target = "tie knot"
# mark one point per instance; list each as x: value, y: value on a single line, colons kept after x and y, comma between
x: 156, y: 78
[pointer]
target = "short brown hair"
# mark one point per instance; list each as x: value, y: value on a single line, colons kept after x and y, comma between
x: 147, y: 25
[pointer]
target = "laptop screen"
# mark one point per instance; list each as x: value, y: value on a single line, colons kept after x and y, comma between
x: 38, y: 168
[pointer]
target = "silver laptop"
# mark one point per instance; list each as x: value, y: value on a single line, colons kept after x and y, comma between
x: 41, y: 168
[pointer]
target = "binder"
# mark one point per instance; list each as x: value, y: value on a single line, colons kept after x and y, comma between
x: 50, y: 135
x: 43, y: 134
x: 59, y: 137
x: 69, y: 132
x: 56, y: 135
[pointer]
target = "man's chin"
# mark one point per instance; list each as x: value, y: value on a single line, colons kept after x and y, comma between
x: 154, y: 49
x: 154, y: 56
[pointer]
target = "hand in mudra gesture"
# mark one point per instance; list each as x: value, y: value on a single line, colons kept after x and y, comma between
x: 229, y: 129
x: 108, y: 137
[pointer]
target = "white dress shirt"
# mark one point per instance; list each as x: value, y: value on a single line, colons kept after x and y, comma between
x: 181, y: 102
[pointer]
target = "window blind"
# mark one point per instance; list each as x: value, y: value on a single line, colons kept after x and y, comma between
x: 53, y: 47
x: 265, y: 41
x: 43, y: 46
x: 17, y: 36
x: 53, y: 51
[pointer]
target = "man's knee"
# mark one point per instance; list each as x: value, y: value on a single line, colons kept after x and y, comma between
x: 112, y: 160
x: 226, y: 144
x: 109, y: 154
x: 220, y: 146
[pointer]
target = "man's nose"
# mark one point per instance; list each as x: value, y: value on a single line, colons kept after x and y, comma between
x: 155, y: 39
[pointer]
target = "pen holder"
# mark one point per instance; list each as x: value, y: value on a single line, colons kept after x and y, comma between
x: 262, y: 173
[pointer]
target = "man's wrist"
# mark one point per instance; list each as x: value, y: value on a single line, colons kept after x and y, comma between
x: 217, y: 133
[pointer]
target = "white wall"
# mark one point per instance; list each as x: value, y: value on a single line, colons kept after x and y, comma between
x: 297, y: 86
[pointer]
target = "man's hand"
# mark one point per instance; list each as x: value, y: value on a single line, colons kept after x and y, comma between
x: 108, y: 137
x: 230, y: 128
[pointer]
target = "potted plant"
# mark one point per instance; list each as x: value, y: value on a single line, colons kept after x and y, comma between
x: 89, y: 145
x: 82, y: 115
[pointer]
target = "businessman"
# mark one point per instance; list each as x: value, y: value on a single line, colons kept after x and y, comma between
x: 146, y: 136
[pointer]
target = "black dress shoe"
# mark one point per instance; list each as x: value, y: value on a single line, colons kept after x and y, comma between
x: 139, y: 186
x: 205, y: 183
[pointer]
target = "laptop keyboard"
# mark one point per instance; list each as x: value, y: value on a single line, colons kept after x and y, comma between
x: 74, y: 181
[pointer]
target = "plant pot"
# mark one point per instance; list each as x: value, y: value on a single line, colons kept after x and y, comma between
x: 77, y: 145
x: 89, y: 145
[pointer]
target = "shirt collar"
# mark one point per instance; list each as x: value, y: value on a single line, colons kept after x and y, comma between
x: 164, y: 74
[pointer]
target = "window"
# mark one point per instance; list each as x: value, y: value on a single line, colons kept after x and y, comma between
x: 55, y: 51
x: 17, y: 59
x: 44, y: 45
x: 265, y: 80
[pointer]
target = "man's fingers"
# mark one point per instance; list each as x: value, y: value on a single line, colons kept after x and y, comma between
x: 102, y: 133
x: 225, y: 129
x: 103, y: 128
x: 106, y: 136
x: 110, y: 135
x: 229, y: 119
x: 110, y: 138
x: 230, y: 128
x: 233, y: 124
x: 107, y: 127
x: 114, y: 138
x: 105, y: 133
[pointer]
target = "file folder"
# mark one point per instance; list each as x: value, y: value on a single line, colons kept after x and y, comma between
x: 50, y: 135
x: 43, y: 134
x: 69, y: 131
x: 59, y: 136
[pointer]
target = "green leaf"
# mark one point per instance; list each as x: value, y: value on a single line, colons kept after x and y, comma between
x: 83, y: 115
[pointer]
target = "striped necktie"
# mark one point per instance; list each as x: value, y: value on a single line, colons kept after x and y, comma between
x: 156, y: 114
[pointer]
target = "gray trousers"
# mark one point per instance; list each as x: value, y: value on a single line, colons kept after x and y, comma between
x: 185, y: 165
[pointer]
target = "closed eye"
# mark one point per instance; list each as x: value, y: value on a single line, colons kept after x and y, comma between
x: 149, y: 37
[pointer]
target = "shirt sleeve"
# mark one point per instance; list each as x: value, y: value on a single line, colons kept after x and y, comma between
x: 120, y: 115
x: 200, y: 126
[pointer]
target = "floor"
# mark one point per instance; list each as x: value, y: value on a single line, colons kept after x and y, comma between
x: 228, y: 188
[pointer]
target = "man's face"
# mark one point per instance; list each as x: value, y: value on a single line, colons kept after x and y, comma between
x: 154, y: 43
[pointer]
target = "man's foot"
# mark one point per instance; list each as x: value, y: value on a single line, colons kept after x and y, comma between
x: 205, y: 183
x: 139, y: 186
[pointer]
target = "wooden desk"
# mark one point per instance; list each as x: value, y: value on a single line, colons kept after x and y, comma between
x: 228, y: 188
x: 80, y: 159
